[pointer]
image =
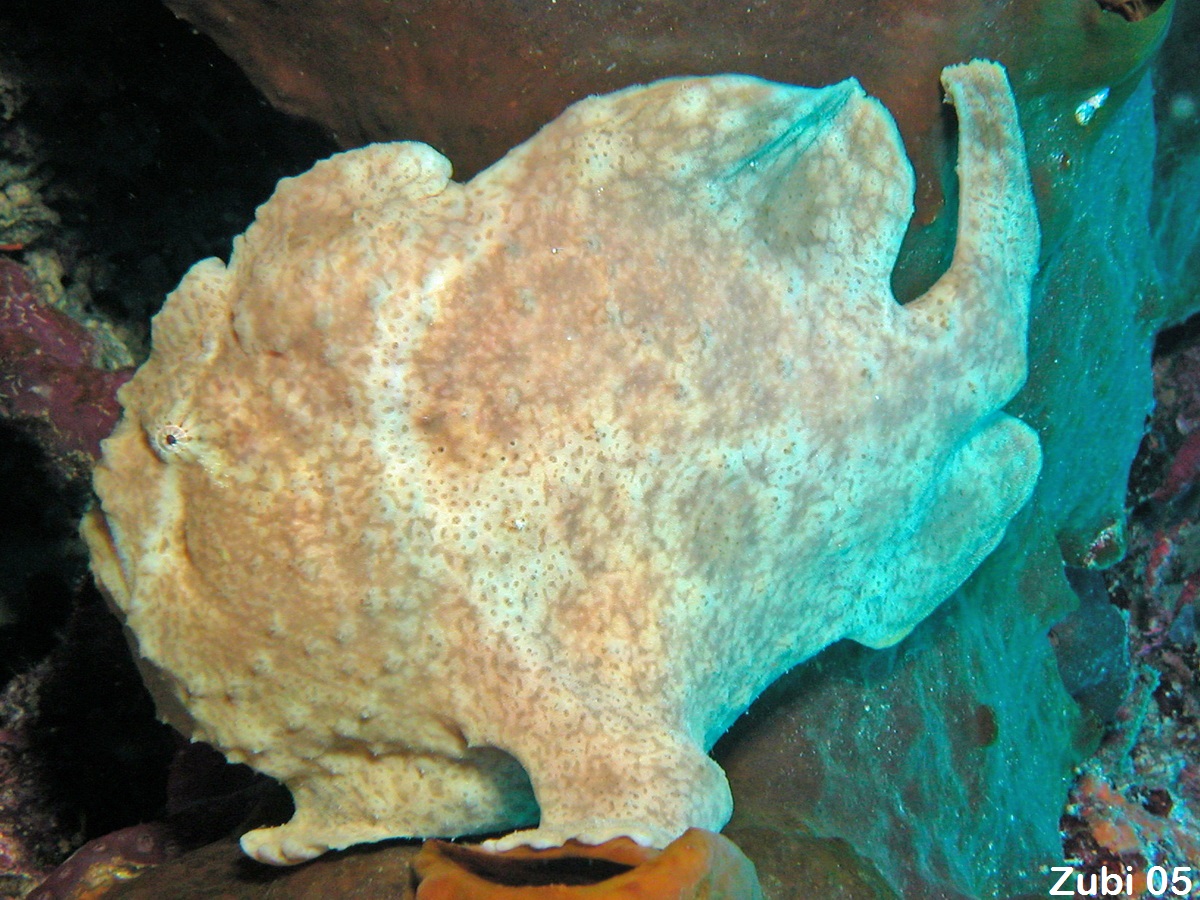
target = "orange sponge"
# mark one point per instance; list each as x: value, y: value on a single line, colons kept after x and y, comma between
x: 700, y: 864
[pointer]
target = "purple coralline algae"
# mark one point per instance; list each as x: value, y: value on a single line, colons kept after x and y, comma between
x: 49, y: 380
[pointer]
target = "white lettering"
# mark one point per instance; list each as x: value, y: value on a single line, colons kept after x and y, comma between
x: 1156, y: 880
x: 1178, y: 882
x: 1108, y: 880
x: 1180, y: 874
x: 1058, y: 890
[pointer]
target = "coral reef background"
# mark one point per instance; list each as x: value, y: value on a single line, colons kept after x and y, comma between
x: 108, y: 192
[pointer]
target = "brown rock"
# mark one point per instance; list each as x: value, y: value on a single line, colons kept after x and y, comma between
x: 476, y: 77
x: 222, y: 872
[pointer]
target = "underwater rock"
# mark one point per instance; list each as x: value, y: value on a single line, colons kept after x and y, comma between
x: 381, y: 872
x: 103, y: 862
x: 789, y: 861
x: 1092, y: 648
x: 437, y: 487
x: 32, y: 826
x: 49, y: 380
x: 1134, y: 802
x: 473, y: 79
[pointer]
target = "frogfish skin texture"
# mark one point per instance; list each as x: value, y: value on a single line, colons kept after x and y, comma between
x: 467, y: 507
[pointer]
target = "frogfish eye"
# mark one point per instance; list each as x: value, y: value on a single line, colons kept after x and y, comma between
x: 169, y: 440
